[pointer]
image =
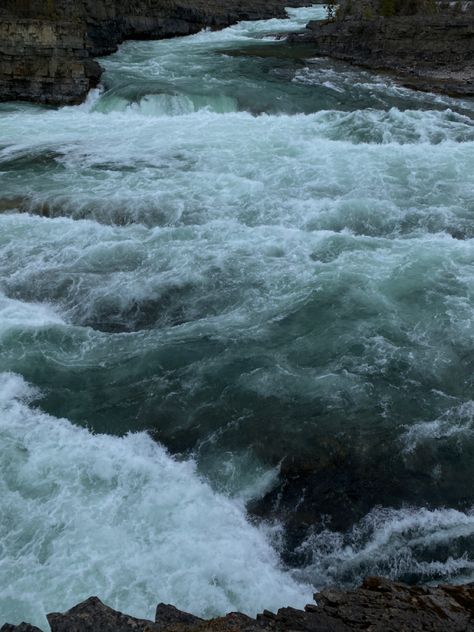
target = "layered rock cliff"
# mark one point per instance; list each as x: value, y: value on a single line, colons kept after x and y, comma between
x: 379, y: 605
x: 47, y: 47
x: 432, y: 52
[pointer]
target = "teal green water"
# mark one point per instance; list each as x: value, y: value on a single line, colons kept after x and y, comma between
x: 246, y: 255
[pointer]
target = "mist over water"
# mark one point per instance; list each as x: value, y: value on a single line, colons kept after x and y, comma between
x: 254, y: 257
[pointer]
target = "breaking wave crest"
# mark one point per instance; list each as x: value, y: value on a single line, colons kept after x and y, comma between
x: 412, y: 544
x: 90, y: 514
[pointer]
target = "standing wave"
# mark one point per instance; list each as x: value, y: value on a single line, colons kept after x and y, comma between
x: 413, y: 544
x: 90, y: 514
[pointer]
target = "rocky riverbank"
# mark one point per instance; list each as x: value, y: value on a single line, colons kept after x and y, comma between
x: 377, y: 605
x: 427, y: 52
x: 47, y: 49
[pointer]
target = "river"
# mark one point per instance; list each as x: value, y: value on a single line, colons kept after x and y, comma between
x: 228, y: 257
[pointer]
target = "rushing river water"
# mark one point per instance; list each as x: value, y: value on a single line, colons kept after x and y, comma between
x: 225, y: 258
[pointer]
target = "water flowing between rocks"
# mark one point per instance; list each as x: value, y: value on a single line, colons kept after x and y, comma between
x: 232, y: 260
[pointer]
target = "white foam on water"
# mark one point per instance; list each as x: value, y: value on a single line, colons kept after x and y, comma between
x: 229, y: 280
x: 15, y: 314
x: 457, y: 421
x: 378, y: 85
x: 90, y: 514
x: 249, y: 274
x: 297, y: 19
x: 394, y: 543
x: 260, y: 217
x: 127, y: 167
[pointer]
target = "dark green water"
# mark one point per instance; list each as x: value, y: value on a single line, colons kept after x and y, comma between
x: 260, y: 260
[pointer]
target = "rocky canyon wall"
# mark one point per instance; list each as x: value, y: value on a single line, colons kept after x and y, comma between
x: 433, y: 52
x: 47, y: 47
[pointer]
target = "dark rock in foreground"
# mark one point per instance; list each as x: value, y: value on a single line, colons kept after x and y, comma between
x: 379, y: 605
x: 23, y: 627
x: 426, y: 52
x: 92, y: 614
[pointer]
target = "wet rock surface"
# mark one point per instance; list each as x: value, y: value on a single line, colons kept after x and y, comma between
x: 378, y: 605
x: 425, y: 52
x: 92, y: 614
x: 47, y: 49
x: 23, y: 627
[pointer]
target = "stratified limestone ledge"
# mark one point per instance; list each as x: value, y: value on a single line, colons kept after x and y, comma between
x: 45, y: 61
x: 47, y: 47
x: 379, y: 605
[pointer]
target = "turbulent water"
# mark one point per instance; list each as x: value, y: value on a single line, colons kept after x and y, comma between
x: 229, y: 256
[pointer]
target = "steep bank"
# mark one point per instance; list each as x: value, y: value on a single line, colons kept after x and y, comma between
x: 47, y: 47
x: 377, y: 605
x: 426, y: 52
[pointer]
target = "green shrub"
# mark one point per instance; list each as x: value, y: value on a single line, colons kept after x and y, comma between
x: 368, y: 13
x: 388, y: 8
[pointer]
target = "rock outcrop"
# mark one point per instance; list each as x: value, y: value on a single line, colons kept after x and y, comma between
x: 379, y: 605
x: 429, y: 52
x: 23, y: 627
x: 47, y: 47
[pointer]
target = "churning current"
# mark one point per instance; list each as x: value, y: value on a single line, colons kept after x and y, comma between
x: 236, y: 332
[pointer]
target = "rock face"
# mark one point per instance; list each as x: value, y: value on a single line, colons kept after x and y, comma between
x: 47, y: 47
x: 434, y: 52
x: 23, y: 627
x: 379, y: 605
